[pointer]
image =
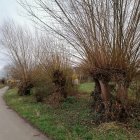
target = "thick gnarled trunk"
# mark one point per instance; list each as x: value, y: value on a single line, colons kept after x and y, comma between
x: 105, y: 92
x: 101, y: 96
x: 122, y: 92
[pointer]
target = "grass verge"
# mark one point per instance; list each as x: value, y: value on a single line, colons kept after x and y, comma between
x: 1, y: 86
x: 72, y: 120
x: 86, y: 87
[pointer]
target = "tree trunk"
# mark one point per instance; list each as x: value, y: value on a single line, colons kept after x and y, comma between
x: 105, y: 92
x: 122, y: 92
x: 63, y: 92
x: 105, y: 95
x: 97, y: 86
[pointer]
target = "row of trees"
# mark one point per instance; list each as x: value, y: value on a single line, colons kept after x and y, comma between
x: 35, y: 61
x: 105, y: 35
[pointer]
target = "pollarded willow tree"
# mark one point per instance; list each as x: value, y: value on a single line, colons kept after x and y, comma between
x: 18, y: 43
x: 106, y: 34
x: 55, y: 65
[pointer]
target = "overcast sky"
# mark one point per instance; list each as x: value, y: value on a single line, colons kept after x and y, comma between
x: 9, y: 9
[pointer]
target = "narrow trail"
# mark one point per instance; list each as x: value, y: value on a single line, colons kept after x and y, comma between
x: 12, y: 127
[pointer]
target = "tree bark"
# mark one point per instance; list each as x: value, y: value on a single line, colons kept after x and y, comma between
x: 97, y: 86
x: 105, y: 92
x: 122, y: 92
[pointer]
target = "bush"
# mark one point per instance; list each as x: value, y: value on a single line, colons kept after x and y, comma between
x: 24, y: 88
x: 70, y: 100
x: 42, y: 92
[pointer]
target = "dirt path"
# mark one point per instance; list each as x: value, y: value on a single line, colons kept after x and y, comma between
x: 12, y: 127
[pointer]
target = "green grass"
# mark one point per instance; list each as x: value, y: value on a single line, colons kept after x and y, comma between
x: 1, y: 86
x: 72, y: 120
x: 86, y: 87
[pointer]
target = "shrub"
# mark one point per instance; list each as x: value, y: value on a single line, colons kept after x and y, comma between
x: 24, y: 88
x: 42, y: 92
